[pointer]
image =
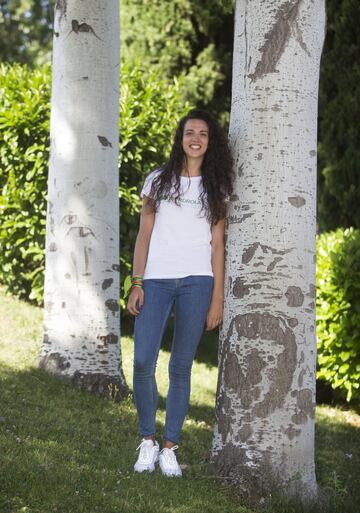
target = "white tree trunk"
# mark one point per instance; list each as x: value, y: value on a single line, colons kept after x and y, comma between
x: 264, y: 433
x: 81, y: 319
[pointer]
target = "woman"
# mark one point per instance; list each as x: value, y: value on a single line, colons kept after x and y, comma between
x: 178, y: 260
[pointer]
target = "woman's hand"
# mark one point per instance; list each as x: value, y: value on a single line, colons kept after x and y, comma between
x: 215, y: 314
x: 136, y: 300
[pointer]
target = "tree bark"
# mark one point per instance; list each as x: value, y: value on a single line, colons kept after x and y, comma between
x: 264, y: 432
x: 82, y: 286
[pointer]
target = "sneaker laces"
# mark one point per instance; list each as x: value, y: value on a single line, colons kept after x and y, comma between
x: 169, y: 455
x: 146, y: 450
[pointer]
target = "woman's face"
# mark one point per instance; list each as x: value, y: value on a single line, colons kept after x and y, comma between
x: 195, y: 138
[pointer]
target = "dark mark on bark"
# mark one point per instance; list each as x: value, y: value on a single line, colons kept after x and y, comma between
x: 224, y: 415
x: 112, y: 304
x: 297, y: 201
x: 82, y: 231
x: 312, y: 291
x: 55, y: 363
x: 276, y: 39
x: 271, y: 266
x: 109, y: 387
x: 301, y: 377
x: 249, y: 253
x: 267, y: 327
x: 53, y: 246
x: 291, y: 432
x: 244, y: 433
x: 258, y: 306
x: 107, y: 283
x: 299, y: 39
x: 70, y: 218
x: 110, y: 338
x: 240, y: 289
x: 236, y: 220
x: 82, y: 27
x: 104, y: 141
x: 294, y: 296
x: 293, y: 322
x: 245, y: 384
x: 86, y: 257
x: 48, y: 305
x: 305, y: 404
x: 115, y: 267
x: 61, y: 7
x: 312, y: 153
x: 253, y: 483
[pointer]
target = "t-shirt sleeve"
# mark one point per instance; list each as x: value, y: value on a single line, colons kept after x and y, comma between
x: 146, y: 189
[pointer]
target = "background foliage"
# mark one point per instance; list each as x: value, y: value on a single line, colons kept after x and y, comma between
x: 184, y: 38
x: 26, y: 31
x: 339, y: 114
x: 338, y: 310
x: 24, y: 153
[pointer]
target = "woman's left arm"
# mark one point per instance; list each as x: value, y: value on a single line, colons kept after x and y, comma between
x: 215, y: 312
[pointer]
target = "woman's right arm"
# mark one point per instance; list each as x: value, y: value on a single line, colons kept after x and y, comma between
x: 147, y: 219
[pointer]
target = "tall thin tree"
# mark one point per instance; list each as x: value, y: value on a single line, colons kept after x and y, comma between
x: 81, y: 318
x: 264, y: 433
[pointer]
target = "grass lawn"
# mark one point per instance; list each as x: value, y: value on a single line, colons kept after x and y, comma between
x: 65, y: 451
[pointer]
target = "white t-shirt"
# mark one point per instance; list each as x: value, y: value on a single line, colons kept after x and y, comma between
x: 181, y: 236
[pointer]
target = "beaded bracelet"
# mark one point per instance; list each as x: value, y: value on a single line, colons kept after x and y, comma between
x: 137, y: 281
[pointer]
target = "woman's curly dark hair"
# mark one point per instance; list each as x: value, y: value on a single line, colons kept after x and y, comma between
x: 216, y: 170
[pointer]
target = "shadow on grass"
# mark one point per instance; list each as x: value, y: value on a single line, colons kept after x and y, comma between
x: 64, y: 450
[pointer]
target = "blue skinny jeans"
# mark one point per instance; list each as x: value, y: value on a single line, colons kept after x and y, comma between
x: 191, y: 296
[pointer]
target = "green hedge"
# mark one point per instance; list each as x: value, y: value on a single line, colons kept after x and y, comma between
x: 24, y: 153
x: 149, y: 110
x: 338, y: 310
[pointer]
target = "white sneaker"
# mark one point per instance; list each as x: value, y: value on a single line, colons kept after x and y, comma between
x: 168, y: 462
x: 148, y: 456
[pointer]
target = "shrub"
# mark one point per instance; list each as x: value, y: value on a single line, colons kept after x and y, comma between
x: 149, y: 110
x: 338, y: 310
x: 24, y: 153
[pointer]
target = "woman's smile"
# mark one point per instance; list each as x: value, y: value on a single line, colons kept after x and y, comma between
x: 195, y: 138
